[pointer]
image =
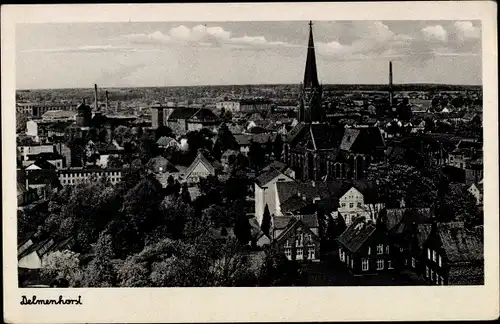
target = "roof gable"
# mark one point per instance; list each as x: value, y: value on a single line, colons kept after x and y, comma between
x: 200, y: 158
x: 355, y: 236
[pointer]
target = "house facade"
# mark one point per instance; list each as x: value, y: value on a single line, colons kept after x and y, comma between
x: 200, y: 168
x: 298, y: 239
x: 365, y: 249
x: 453, y: 255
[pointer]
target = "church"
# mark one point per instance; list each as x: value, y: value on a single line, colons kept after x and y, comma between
x: 319, y: 150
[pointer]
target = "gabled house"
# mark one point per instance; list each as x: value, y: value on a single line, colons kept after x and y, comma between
x: 402, y: 225
x: 365, y: 248
x: 453, y: 255
x: 200, y: 168
x: 298, y: 239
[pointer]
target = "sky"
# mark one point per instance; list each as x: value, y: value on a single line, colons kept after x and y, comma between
x: 77, y: 55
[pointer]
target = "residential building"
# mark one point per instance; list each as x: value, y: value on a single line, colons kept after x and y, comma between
x: 244, y: 105
x: 73, y: 176
x: 365, y: 248
x: 200, y: 168
x: 453, y: 255
x: 38, y: 109
x: 297, y: 237
x: 182, y: 119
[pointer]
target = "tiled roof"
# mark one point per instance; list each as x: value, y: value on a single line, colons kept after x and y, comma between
x: 203, y: 114
x: 265, y: 177
x: 398, y: 219
x: 308, y: 222
x: 356, y: 235
x: 182, y: 113
x: 459, y: 243
x: 292, y: 204
x: 278, y: 165
x: 287, y: 189
x: 242, y: 139
x: 154, y: 164
x: 295, y: 132
x: 200, y: 158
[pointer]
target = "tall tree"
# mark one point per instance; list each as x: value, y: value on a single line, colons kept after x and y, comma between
x: 266, y: 221
x: 278, y: 147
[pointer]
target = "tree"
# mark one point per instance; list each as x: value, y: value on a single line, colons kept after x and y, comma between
x: 277, y: 270
x: 100, y: 272
x: 21, y: 120
x: 256, y: 155
x: 266, y: 221
x: 163, y: 131
x: 278, y: 147
x: 225, y: 138
x: 185, y: 195
x: 458, y: 204
x: 65, y: 264
x: 242, y: 228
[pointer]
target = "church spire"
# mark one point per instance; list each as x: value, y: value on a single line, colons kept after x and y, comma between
x: 311, y: 72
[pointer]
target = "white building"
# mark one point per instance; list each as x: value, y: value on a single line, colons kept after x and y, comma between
x: 265, y: 191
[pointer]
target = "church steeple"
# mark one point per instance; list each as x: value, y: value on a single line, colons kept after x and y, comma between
x: 311, y: 72
x: 310, y: 107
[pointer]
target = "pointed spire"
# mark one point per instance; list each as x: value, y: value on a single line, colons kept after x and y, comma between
x: 311, y: 72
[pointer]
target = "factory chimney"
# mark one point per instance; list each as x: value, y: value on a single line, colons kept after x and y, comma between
x: 390, y: 84
x: 107, y: 101
x: 96, y: 98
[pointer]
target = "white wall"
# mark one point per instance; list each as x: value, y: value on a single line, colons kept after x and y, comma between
x: 355, y: 199
x: 268, y: 196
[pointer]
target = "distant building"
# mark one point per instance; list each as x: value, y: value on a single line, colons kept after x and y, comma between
x: 182, y: 119
x: 84, y: 116
x: 244, y: 105
x: 38, y: 109
x: 73, y: 176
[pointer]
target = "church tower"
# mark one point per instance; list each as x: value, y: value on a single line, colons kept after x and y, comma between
x: 310, y: 105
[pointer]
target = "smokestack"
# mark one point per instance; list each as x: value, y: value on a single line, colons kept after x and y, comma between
x: 96, y: 99
x: 390, y: 83
x: 107, y: 101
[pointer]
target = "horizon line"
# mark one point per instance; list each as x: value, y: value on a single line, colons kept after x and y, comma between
x: 258, y: 84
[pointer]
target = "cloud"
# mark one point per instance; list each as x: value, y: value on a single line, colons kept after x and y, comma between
x: 433, y: 33
x: 371, y: 39
x: 81, y: 49
x: 201, y: 35
x: 465, y: 30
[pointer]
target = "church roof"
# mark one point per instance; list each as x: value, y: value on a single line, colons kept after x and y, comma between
x: 311, y: 72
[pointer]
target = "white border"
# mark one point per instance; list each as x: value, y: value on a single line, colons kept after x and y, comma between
x: 256, y: 304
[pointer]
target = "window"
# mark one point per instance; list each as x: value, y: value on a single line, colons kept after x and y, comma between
x: 352, y: 263
x: 364, y: 264
x: 288, y: 253
x: 442, y: 280
x: 341, y: 255
x: 287, y: 243
x: 406, y: 262
x: 432, y: 275
x: 369, y: 250
x: 300, y: 253
x: 343, y: 204
x: 426, y: 271
x: 380, y: 249
x: 389, y: 264
x: 400, y: 249
x: 380, y: 264
x: 311, y: 253
x: 428, y: 253
x: 434, y: 256
x: 359, y: 204
x: 387, y: 249
x: 439, y: 260
x: 351, y: 205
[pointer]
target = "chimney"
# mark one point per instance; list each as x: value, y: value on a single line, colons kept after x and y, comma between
x: 390, y: 84
x: 96, y: 99
x: 107, y: 101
